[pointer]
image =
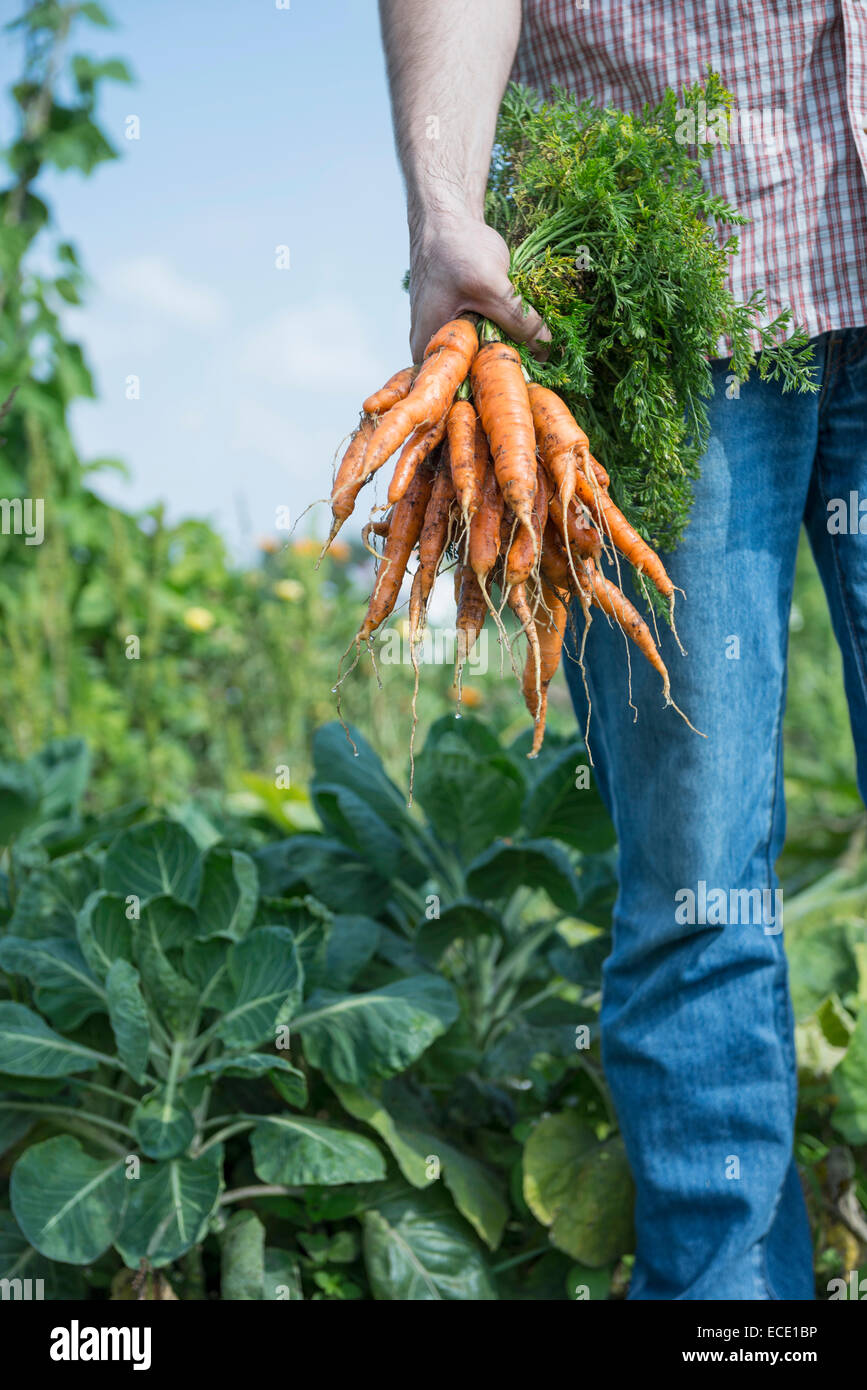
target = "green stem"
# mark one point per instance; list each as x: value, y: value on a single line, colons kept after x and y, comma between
x: 164, y: 1036
x: 514, y: 908
x: 204, y: 1041
x: 408, y: 897
x: 537, y: 998
x: 203, y: 999
x: 87, y: 1132
x: 240, y: 1194
x: 114, y: 1062
x: 596, y: 1078
x: 200, y: 1114
x: 226, y: 1134
x: 517, y: 958
x: 448, y: 869
x: 38, y: 1108
x: 521, y: 1259
x: 11, y: 884
x: 175, y: 1063
x: 103, y: 1090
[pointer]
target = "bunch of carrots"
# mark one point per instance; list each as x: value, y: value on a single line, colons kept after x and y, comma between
x: 495, y: 475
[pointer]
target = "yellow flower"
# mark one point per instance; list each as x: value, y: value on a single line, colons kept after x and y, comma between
x: 289, y: 589
x: 307, y: 546
x: 199, y: 619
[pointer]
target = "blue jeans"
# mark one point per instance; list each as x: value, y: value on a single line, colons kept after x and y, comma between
x: 697, y: 1028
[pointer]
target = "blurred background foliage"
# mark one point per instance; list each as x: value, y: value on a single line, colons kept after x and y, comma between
x: 235, y: 664
x: 187, y: 672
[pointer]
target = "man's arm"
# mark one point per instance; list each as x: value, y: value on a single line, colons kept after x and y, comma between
x: 448, y: 64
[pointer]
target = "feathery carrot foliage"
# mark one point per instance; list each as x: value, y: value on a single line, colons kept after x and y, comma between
x: 619, y: 245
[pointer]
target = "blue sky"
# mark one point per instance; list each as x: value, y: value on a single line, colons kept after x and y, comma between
x: 260, y: 127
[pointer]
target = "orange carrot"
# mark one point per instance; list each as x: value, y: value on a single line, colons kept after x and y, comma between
x: 394, y: 390
x: 380, y: 528
x: 431, y: 547
x: 602, y: 477
x: 484, y: 543
x: 508, y: 527
x: 414, y: 451
x: 550, y: 629
x: 500, y: 394
x: 527, y: 543
x: 612, y: 601
x: 517, y: 600
x: 471, y: 615
x: 468, y: 452
x: 557, y: 433
x: 446, y: 362
x: 581, y: 537
x: 350, y: 478
x: 403, y: 532
x: 556, y: 569
x: 560, y: 439
x: 374, y: 528
x: 613, y: 524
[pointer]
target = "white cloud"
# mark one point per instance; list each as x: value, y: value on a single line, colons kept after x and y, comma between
x: 152, y: 283
x: 320, y: 347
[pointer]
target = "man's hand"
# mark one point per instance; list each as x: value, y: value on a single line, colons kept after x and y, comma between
x: 457, y: 263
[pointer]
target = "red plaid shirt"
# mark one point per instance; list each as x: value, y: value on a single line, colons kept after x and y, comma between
x: 798, y: 160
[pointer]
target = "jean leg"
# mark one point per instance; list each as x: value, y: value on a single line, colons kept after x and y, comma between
x: 836, y: 520
x: 696, y: 1020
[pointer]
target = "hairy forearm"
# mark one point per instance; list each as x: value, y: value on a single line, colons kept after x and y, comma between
x: 448, y: 64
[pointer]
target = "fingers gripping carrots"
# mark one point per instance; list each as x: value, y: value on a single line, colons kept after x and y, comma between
x: 496, y: 477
